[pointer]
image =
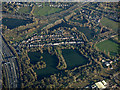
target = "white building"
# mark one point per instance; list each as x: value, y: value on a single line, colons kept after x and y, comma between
x: 104, y: 83
x: 107, y: 63
x: 100, y: 85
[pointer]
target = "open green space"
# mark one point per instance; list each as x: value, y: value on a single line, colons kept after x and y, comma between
x: 26, y: 10
x: 108, y: 46
x: 13, y: 23
x: 109, y: 23
x: 50, y: 60
x: 45, y: 10
x: 74, y: 58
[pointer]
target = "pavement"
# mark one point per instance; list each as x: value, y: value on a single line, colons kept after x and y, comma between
x: 9, y: 66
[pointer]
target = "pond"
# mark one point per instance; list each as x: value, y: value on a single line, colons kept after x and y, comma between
x: 80, y: 21
x: 89, y: 33
x: 63, y: 24
x: 13, y: 23
x: 73, y: 58
x: 50, y: 60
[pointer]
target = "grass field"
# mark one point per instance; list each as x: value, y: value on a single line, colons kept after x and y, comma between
x: 43, y: 11
x: 25, y: 10
x: 109, y: 23
x: 108, y: 46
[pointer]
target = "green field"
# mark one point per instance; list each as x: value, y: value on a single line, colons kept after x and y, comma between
x: 25, y: 10
x: 109, y: 23
x: 108, y: 46
x: 44, y: 11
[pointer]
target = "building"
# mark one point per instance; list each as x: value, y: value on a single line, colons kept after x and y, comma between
x: 104, y: 83
x: 107, y: 63
x: 100, y: 85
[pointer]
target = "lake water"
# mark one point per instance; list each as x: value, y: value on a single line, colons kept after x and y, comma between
x: 80, y: 21
x: 13, y: 23
x: 72, y: 57
x: 50, y: 60
x: 88, y: 32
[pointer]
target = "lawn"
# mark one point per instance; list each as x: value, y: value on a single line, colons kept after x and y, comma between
x: 45, y: 10
x: 25, y: 10
x: 109, y: 23
x: 108, y: 46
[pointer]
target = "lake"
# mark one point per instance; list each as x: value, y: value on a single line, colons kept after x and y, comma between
x: 89, y: 33
x: 72, y: 57
x: 50, y: 60
x: 13, y: 23
x: 80, y: 21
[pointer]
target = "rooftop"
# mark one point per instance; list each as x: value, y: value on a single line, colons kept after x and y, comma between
x: 100, y: 85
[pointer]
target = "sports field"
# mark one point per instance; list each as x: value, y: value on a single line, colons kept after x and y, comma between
x: 26, y: 10
x: 109, y: 23
x: 108, y: 46
x: 45, y: 10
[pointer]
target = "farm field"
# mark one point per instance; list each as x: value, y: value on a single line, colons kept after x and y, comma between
x: 108, y: 46
x: 109, y: 23
x: 44, y: 11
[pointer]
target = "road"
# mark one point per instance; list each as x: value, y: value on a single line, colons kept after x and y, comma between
x: 55, y: 15
x: 0, y: 62
x: 9, y: 59
x: 9, y: 66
